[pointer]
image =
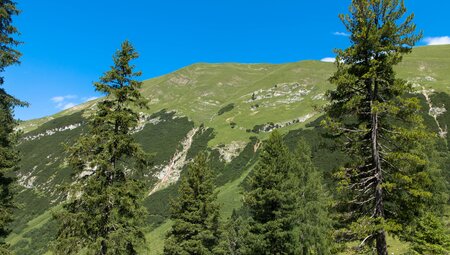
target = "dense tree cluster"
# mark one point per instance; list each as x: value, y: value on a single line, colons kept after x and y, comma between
x: 286, y: 203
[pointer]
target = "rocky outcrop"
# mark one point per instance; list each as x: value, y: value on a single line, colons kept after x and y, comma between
x: 171, y: 172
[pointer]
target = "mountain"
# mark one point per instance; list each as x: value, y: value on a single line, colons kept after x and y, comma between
x: 225, y: 108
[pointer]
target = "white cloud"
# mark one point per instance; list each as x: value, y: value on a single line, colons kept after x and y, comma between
x: 441, y: 40
x: 57, y: 99
x: 329, y: 60
x: 67, y: 105
x: 89, y: 99
x: 62, y: 101
x: 341, y: 34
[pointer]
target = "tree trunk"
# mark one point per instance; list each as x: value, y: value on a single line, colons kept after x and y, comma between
x: 380, y: 237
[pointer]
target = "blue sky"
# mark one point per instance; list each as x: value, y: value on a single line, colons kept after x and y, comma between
x: 68, y: 44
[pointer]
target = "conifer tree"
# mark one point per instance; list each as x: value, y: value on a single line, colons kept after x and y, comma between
x: 313, y: 223
x: 386, y: 181
x: 236, y: 235
x: 9, y: 155
x: 428, y: 235
x: 104, y: 213
x: 271, y: 200
x: 195, y: 213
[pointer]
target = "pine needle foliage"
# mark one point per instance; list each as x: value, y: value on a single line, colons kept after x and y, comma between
x: 271, y: 201
x: 236, y: 235
x: 428, y: 235
x: 9, y: 156
x: 387, y: 182
x: 195, y: 213
x: 104, y: 213
x: 313, y: 220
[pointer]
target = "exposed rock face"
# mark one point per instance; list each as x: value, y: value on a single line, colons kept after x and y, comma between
x: 435, y: 111
x: 51, y: 132
x: 286, y: 93
x: 171, y: 172
x: 229, y: 151
x: 271, y: 126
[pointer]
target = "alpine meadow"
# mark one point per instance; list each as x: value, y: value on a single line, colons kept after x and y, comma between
x: 348, y: 155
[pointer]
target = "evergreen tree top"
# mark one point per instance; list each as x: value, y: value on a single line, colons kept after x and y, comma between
x: 9, y: 55
x: 120, y: 82
x: 377, y: 30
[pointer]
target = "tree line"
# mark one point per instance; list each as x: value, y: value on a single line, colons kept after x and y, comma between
x: 388, y: 185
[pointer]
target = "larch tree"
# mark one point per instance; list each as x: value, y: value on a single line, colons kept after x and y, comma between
x: 271, y: 200
x: 9, y: 155
x: 196, y: 225
x: 386, y: 181
x: 104, y: 213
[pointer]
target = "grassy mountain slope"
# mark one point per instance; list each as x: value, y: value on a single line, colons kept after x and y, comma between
x: 228, y: 108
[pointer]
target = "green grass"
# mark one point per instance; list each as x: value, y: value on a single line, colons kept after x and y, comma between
x: 395, y: 247
x: 35, y: 223
x: 155, y: 239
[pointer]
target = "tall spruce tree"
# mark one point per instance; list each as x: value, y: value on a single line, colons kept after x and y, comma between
x: 313, y: 220
x: 9, y: 155
x: 195, y: 213
x: 271, y: 200
x: 104, y: 213
x: 386, y: 181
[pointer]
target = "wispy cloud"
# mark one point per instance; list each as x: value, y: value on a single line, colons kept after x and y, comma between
x: 86, y: 99
x: 341, y: 34
x: 67, y: 106
x: 63, y: 102
x: 59, y: 99
x: 440, y: 40
x: 329, y: 60
x: 69, y: 101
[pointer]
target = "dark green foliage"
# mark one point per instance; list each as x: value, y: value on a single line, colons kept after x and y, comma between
x: 313, y: 221
x: 236, y: 234
x: 200, y: 141
x: 428, y: 235
x: 157, y: 203
x: 104, y: 212
x: 225, y: 109
x: 257, y: 128
x: 271, y: 200
x: 45, y: 160
x: 443, y: 100
x: 325, y: 152
x: 164, y: 138
x: 387, y: 181
x: 72, y: 119
x: 196, y: 228
x: 37, y: 240
x: 9, y: 156
x: 235, y: 168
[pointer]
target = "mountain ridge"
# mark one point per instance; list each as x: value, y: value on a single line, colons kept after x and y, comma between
x: 232, y: 106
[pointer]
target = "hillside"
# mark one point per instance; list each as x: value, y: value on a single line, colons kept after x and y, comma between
x: 226, y: 108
